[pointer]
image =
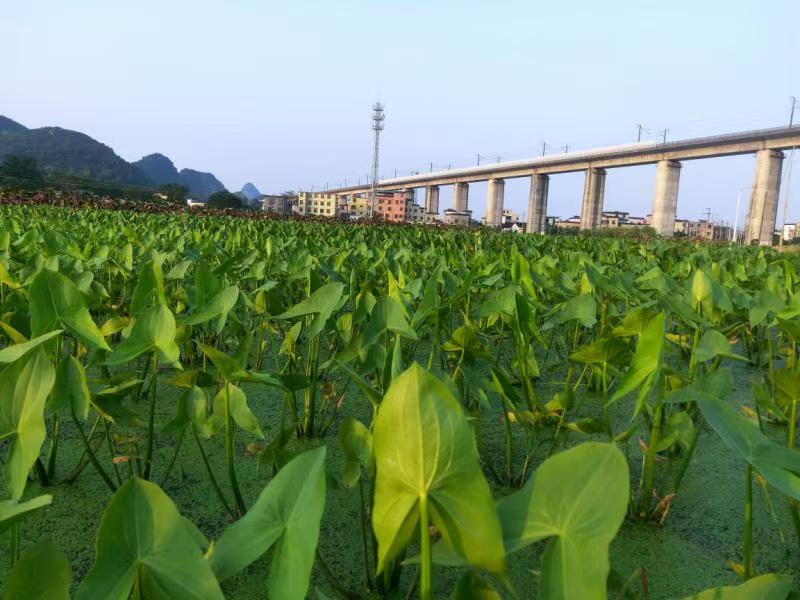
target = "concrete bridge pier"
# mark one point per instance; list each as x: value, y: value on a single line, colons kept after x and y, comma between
x: 764, y: 198
x: 432, y: 199
x: 593, y: 191
x: 665, y: 197
x: 494, y: 203
x: 461, y: 197
x: 537, y: 203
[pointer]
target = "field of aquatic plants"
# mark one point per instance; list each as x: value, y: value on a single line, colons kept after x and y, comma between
x: 198, y: 407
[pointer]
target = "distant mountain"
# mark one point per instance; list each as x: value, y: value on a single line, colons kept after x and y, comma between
x: 9, y: 126
x: 250, y: 191
x: 75, y: 153
x: 158, y: 168
x: 66, y: 151
x: 161, y: 170
x: 201, y: 185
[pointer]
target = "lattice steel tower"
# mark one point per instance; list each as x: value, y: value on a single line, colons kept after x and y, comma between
x: 377, y: 127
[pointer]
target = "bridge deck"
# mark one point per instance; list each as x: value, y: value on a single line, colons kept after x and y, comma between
x: 747, y: 142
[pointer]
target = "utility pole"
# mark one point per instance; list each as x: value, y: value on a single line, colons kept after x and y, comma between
x: 641, y: 129
x: 431, y: 166
x: 479, y: 160
x: 377, y: 127
x: 565, y: 149
x: 544, y: 148
x: 793, y: 100
x: 664, y: 136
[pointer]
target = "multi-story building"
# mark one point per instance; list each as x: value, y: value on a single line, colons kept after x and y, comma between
x: 316, y: 203
x: 414, y: 212
x: 391, y: 206
x: 708, y: 230
x: 620, y: 218
x: 454, y: 217
x: 277, y: 203
x: 357, y: 205
x: 789, y: 232
x: 574, y: 222
x: 342, y: 207
x: 509, y: 220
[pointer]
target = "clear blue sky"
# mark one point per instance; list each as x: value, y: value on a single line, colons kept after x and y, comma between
x: 279, y: 93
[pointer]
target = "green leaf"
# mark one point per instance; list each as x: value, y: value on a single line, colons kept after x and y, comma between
x: 227, y: 366
x: 646, y: 360
x: 714, y: 344
x: 288, y: 514
x: 322, y: 302
x: 425, y: 451
x: 9, y: 354
x: 387, y: 315
x: 42, y: 572
x: 702, y: 294
x: 153, y: 331
x: 780, y: 466
x: 764, y: 302
x: 57, y: 303
x: 71, y: 391
x: 12, y: 511
x: 580, y: 496
x: 714, y: 384
x: 144, y: 542
x: 356, y: 442
x: 581, y: 308
x: 108, y: 402
x: 472, y: 587
x: 237, y: 404
x: 24, y: 387
x: 678, y: 429
x: 149, y: 291
x: 217, y: 307
x: 765, y: 587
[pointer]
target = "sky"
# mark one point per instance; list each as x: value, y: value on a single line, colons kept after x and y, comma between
x: 280, y: 93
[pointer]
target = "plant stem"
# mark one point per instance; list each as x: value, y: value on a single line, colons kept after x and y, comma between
x: 425, y: 547
x: 748, y: 523
x: 92, y: 457
x: 41, y: 471
x: 52, y: 454
x: 14, y: 550
x: 312, y: 358
x: 148, y: 457
x: 650, y: 463
x: 211, y: 477
x: 112, y: 453
x: 230, y: 455
x: 794, y: 509
x: 332, y: 579
x: 687, y: 458
x: 509, y: 442
x: 174, y: 457
x: 364, y: 533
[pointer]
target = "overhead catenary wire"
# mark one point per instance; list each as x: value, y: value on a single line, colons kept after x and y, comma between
x: 687, y: 128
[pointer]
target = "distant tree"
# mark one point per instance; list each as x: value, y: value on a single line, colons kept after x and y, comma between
x: 225, y: 199
x: 176, y: 193
x: 23, y: 167
x: 289, y: 194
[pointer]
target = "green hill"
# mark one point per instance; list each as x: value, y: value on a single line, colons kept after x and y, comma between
x: 64, y: 151
x: 161, y: 170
